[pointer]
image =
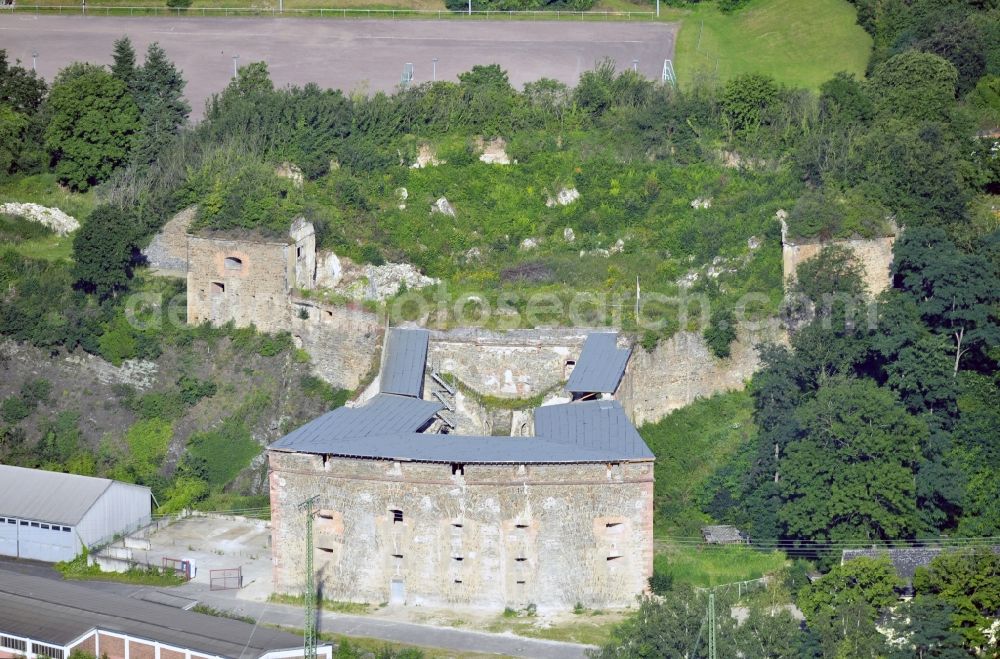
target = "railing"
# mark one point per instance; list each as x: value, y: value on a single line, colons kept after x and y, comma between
x: 330, y: 12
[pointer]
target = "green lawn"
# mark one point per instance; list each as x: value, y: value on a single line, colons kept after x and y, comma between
x: 799, y: 42
x: 715, y: 565
x: 44, y: 189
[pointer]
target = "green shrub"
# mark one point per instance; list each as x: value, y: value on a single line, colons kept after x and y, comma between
x: 147, y: 441
x: 721, y: 332
x: 178, y: 4
x: 217, y: 456
x: 193, y: 390
x: 317, y: 388
x: 661, y: 583
x: 118, y: 342
x: 14, y: 410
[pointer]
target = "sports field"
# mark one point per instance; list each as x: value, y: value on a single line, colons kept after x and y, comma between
x: 349, y: 55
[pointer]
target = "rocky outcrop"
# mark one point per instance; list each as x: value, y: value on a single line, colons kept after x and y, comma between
x: 444, y: 207
x: 426, y: 158
x: 366, y: 281
x: 328, y: 270
x: 564, y: 197
x: 493, y: 152
x: 53, y: 218
x: 292, y: 172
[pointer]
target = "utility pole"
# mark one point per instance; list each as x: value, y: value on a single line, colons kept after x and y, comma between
x: 434, y: 70
x: 309, y: 633
x: 34, y: 60
x: 235, y: 60
x: 711, y: 626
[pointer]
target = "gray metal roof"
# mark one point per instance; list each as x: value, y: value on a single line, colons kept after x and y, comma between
x: 49, y: 496
x: 53, y: 611
x: 470, y: 449
x: 596, y: 431
x: 600, y: 366
x: 599, y: 425
x: 382, y: 415
x: 905, y: 560
x: 405, y: 360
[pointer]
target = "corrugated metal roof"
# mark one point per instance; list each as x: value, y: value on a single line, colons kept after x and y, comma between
x: 599, y: 425
x: 596, y: 431
x: 382, y: 415
x: 600, y: 366
x: 405, y: 360
x: 48, y: 496
x: 57, y: 612
x: 470, y: 449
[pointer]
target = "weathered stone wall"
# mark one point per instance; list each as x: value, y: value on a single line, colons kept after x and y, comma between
x: 875, y: 255
x: 342, y: 341
x: 683, y: 368
x: 514, y: 364
x: 167, y: 251
x: 244, y: 281
x: 495, y: 536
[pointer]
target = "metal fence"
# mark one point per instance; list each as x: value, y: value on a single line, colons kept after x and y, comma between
x: 226, y: 579
x: 332, y: 12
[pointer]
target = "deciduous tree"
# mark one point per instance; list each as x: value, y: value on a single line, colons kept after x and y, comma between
x: 851, y: 476
x: 92, y: 127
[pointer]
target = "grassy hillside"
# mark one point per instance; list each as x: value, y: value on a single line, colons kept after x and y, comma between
x: 799, y: 42
x: 690, y: 445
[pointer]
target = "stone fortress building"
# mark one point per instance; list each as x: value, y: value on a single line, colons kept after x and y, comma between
x: 284, y: 285
x: 410, y: 512
x: 426, y: 494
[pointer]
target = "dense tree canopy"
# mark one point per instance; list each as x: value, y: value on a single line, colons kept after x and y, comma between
x: 93, y: 125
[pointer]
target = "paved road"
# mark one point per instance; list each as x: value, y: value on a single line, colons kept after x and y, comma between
x: 445, y: 638
x: 343, y: 54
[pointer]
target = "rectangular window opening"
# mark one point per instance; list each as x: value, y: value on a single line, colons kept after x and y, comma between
x: 397, y: 515
x: 18, y: 644
x: 34, y: 525
x: 46, y: 526
x: 458, y: 581
x: 397, y: 555
x: 66, y: 529
x: 520, y: 559
x: 457, y: 469
x: 520, y: 582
